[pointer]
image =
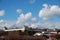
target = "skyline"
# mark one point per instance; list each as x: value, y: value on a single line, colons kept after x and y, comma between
x: 34, y: 13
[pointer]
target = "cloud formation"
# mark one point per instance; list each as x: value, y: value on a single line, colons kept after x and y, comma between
x: 25, y: 19
x: 6, y: 23
x: 2, y: 12
x: 19, y: 11
x: 49, y: 11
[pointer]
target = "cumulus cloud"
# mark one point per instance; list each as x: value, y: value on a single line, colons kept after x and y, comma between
x: 2, y: 12
x: 1, y: 21
x: 42, y: 25
x: 11, y: 24
x: 6, y: 23
x: 23, y: 18
x: 34, y: 19
x: 28, y: 16
x: 26, y: 19
x: 45, y: 5
x: 19, y: 11
x: 29, y: 20
x: 49, y: 11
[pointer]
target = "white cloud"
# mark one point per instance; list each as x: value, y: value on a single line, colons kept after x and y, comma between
x: 28, y: 16
x: 32, y: 1
x: 23, y: 18
x: 6, y: 23
x: 2, y: 12
x: 34, y: 19
x: 19, y: 11
x: 33, y: 25
x: 26, y: 19
x: 11, y: 24
x: 1, y: 21
x: 49, y: 12
x: 45, y: 5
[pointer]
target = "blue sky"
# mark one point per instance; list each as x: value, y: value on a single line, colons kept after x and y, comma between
x: 10, y: 8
